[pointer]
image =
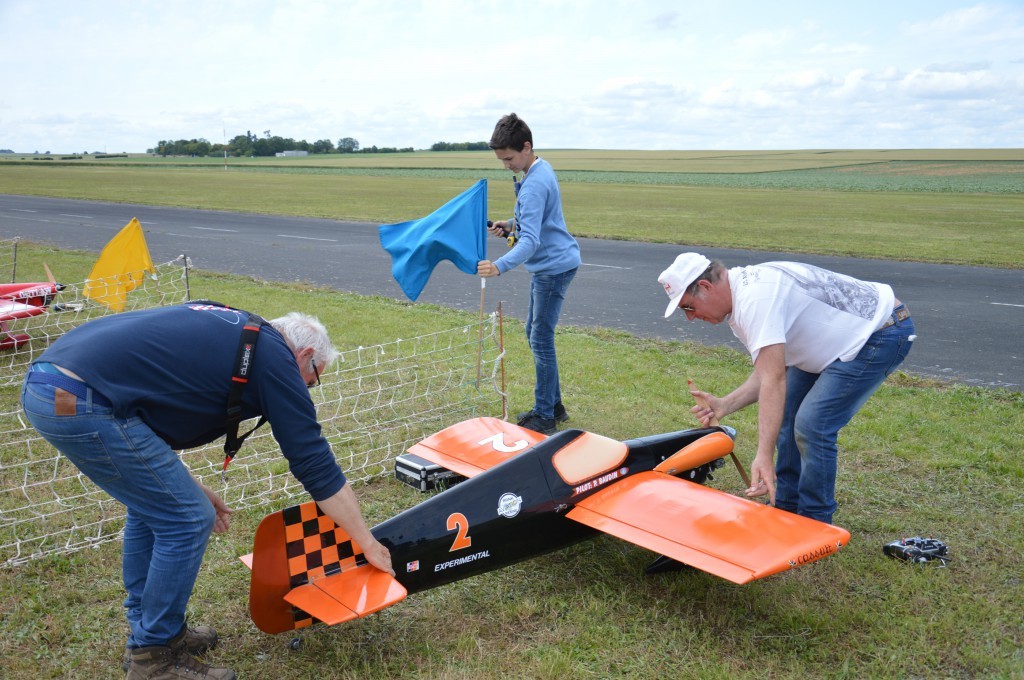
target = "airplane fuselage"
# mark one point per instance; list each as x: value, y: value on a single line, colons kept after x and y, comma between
x: 513, y: 511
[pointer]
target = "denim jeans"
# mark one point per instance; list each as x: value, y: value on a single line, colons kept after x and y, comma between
x: 169, y: 518
x: 547, y: 293
x: 818, y: 405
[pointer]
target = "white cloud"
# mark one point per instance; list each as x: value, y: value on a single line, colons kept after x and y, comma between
x: 965, y: 19
x: 951, y: 85
x: 123, y: 74
x: 958, y: 67
x: 807, y: 79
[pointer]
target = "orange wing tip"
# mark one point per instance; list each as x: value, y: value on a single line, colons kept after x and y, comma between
x: 246, y: 560
x: 734, y: 538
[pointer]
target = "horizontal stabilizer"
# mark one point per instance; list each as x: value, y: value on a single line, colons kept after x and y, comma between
x: 347, y: 595
x: 476, y: 445
x: 731, y: 537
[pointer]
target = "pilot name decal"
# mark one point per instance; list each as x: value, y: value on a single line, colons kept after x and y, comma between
x: 458, y: 562
x: 600, y: 481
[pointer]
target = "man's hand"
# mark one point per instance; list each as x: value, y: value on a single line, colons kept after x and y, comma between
x: 223, y: 520
x: 709, y: 409
x: 762, y: 478
x: 379, y: 556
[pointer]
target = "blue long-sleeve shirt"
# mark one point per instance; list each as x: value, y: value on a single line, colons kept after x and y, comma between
x: 171, y: 367
x: 545, y: 245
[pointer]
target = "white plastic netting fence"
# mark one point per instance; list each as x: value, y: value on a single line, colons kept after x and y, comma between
x: 372, y: 404
x: 70, y: 308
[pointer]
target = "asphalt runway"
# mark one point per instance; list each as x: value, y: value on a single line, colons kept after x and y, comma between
x: 969, y: 320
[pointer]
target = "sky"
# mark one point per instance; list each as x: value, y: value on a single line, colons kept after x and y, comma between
x: 119, y: 76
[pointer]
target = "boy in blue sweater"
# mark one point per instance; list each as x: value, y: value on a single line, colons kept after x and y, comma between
x: 544, y: 246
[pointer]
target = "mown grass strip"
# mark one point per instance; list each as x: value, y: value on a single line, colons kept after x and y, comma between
x: 953, y: 227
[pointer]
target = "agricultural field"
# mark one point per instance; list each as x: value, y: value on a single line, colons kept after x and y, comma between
x: 941, y: 206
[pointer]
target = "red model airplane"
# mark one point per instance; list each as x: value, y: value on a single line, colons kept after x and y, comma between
x: 527, y: 494
x: 20, y: 301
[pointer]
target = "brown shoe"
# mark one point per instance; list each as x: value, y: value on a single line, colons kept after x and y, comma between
x: 166, y: 663
x: 196, y: 641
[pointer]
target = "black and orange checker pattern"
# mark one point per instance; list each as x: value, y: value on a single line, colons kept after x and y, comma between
x: 315, y: 547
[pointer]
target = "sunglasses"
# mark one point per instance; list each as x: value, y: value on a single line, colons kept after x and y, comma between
x: 316, y: 373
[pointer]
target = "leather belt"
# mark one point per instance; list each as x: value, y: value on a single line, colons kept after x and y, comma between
x: 75, y: 387
x: 901, y: 313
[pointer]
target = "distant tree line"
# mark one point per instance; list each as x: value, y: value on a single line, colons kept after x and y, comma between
x: 268, y: 145
x: 459, y: 146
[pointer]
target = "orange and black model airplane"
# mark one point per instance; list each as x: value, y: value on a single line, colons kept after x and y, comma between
x: 526, y: 495
x: 20, y: 301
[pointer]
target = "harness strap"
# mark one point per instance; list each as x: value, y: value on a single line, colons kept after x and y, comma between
x: 239, y: 378
x: 244, y: 358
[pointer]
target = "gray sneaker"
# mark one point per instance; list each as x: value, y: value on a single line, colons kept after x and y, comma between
x: 195, y: 641
x: 166, y: 663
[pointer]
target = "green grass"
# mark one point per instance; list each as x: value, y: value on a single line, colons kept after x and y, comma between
x: 921, y: 458
x: 958, y: 207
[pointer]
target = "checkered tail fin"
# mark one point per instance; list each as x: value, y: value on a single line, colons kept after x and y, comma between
x: 306, y: 569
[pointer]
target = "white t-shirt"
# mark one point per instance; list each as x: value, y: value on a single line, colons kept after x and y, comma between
x: 820, y: 315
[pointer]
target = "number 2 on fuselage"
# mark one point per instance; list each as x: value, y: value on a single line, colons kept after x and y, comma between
x: 458, y: 521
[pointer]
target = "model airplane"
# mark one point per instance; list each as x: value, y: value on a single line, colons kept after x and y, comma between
x: 527, y: 494
x: 20, y: 301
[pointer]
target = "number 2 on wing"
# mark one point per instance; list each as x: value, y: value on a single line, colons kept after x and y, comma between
x: 497, y: 442
x: 457, y: 520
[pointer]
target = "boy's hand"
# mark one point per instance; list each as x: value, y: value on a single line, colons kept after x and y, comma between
x: 501, y: 228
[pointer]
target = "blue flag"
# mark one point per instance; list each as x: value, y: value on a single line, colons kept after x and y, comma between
x: 457, y: 231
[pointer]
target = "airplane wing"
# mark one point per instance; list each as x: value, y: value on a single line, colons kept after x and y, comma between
x: 11, y: 310
x: 731, y: 537
x: 476, y: 445
x: 306, y: 569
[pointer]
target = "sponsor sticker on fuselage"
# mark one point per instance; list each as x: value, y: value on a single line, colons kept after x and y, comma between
x: 509, y: 505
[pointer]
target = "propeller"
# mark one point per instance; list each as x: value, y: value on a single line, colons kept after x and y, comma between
x: 53, y: 282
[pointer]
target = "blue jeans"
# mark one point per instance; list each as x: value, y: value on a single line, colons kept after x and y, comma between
x: 169, y: 518
x: 818, y: 405
x: 547, y: 293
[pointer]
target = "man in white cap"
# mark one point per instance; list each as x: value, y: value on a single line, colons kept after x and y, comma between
x: 821, y: 343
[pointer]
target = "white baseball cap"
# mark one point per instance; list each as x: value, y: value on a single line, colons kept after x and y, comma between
x: 677, y: 278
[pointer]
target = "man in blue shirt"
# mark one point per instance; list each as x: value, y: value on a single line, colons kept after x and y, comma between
x: 544, y: 246
x: 119, y: 394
